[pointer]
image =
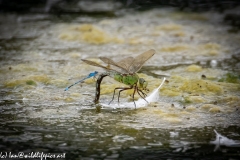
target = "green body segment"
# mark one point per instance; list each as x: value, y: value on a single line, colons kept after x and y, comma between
x: 128, y: 79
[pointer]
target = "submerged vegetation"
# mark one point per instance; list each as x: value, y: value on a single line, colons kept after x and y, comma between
x: 230, y: 78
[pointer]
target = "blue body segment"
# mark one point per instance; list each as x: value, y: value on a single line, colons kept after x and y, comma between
x: 92, y: 74
x: 89, y: 76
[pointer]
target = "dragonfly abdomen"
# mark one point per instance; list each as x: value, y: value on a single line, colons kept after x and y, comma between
x: 98, y: 83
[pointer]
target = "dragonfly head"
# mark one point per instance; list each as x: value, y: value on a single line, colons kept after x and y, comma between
x: 143, y: 84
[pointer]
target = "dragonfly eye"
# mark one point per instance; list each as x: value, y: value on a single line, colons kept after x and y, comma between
x: 142, y: 83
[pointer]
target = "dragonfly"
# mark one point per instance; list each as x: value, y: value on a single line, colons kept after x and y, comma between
x: 93, y: 74
x: 124, y: 71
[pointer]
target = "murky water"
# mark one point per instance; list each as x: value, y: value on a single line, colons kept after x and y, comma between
x: 41, y: 55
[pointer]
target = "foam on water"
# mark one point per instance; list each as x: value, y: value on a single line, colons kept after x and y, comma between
x: 224, y: 141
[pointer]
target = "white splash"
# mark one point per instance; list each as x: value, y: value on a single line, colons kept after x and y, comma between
x: 224, y: 141
x: 153, y: 97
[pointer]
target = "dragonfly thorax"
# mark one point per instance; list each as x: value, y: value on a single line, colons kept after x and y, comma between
x: 128, y: 79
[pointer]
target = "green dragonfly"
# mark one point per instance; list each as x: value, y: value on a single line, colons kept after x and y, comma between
x: 124, y: 71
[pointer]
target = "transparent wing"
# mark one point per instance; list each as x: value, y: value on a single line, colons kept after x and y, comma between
x: 111, y: 62
x: 126, y: 63
x: 140, y: 60
x: 98, y: 65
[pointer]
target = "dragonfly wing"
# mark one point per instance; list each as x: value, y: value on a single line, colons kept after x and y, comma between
x: 111, y: 62
x: 97, y: 65
x: 93, y: 63
x: 107, y: 60
x: 126, y: 63
x: 140, y: 60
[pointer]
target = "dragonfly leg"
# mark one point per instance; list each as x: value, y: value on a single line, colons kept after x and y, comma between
x: 135, y: 88
x: 123, y: 89
x: 143, y: 97
x: 143, y: 94
x: 114, y: 93
x: 113, y: 96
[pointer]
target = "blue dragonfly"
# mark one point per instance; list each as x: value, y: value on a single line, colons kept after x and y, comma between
x: 93, y: 74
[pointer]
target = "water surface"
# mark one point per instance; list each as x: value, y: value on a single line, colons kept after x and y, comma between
x: 41, y: 56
